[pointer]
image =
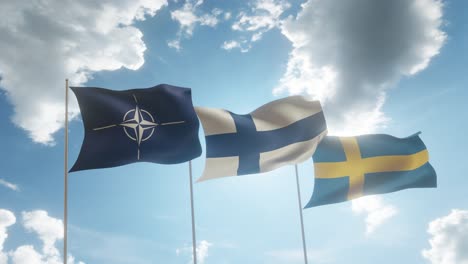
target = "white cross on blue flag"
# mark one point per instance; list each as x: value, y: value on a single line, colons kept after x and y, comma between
x: 282, y: 132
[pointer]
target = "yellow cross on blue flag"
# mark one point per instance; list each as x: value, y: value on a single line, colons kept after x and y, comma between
x: 350, y: 167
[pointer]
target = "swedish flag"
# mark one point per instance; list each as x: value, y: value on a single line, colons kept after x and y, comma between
x: 350, y: 167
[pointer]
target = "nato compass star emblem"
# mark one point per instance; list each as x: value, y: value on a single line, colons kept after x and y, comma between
x: 139, y: 125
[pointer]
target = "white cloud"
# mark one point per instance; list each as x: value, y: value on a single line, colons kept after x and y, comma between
x: 376, y: 210
x: 229, y: 45
x: 449, y: 239
x: 243, y: 45
x: 9, y: 185
x: 186, y: 17
x: 189, y: 16
x: 202, y: 251
x: 7, y: 219
x: 175, y: 44
x: 49, y: 231
x: 26, y: 255
x: 348, y: 54
x: 44, y: 42
x: 263, y: 16
x: 209, y: 20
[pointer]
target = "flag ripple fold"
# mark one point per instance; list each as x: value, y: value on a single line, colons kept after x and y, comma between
x: 350, y: 167
x: 156, y: 124
x: 279, y: 133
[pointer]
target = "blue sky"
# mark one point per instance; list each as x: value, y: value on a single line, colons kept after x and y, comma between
x: 377, y: 66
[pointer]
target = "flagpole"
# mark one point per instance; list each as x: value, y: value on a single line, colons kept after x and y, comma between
x: 300, y: 213
x: 65, y: 202
x: 194, y: 240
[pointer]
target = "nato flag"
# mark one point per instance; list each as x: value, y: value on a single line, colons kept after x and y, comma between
x: 156, y: 124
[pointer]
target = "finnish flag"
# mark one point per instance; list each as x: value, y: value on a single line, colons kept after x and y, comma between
x: 282, y: 132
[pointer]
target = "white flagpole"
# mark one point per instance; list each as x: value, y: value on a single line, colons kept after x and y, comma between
x: 194, y: 240
x: 65, y: 201
x: 300, y: 213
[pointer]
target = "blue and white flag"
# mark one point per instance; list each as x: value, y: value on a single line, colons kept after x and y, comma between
x: 156, y: 124
x: 279, y: 133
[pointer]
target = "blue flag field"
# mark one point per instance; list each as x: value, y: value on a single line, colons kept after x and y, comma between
x: 157, y: 125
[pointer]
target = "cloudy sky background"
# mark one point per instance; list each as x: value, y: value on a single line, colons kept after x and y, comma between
x: 393, y: 67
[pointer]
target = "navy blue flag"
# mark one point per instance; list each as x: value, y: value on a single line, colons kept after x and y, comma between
x: 156, y: 124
